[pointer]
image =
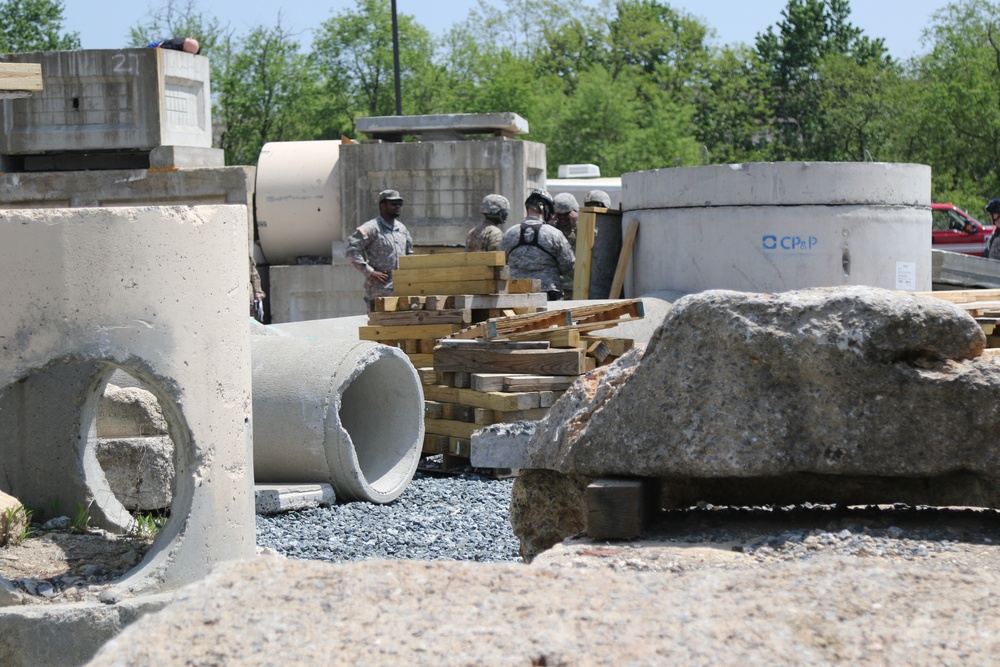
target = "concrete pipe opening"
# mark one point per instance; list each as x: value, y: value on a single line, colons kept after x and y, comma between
x: 349, y: 413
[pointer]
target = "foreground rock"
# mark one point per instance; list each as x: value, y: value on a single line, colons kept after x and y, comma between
x: 271, y: 611
x: 851, y: 395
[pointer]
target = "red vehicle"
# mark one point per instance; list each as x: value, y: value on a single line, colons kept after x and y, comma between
x: 955, y: 230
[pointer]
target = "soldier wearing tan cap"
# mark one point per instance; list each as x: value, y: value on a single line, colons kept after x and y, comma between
x: 375, y: 247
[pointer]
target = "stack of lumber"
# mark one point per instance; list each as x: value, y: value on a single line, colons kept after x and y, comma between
x: 437, y: 295
x: 983, y: 305
x: 513, y: 368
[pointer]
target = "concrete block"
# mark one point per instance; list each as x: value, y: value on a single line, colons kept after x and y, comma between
x: 107, y: 100
x: 278, y: 498
x: 436, y: 125
x: 139, y: 471
x: 159, y: 292
x: 501, y: 445
x: 316, y: 291
x: 442, y: 182
x: 186, y: 157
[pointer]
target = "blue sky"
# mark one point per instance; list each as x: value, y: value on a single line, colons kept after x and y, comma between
x: 104, y: 24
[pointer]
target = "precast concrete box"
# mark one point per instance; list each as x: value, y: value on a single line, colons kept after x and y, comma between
x: 772, y: 227
x: 442, y: 182
x: 109, y: 100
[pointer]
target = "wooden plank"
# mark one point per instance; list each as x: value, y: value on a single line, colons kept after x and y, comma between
x: 421, y: 359
x: 459, y: 447
x: 616, y: 346
x: 488, y: 381
x: 532, y: 415
x: 524, y: 286
x: 427, y: 375
x: 463, y: 287
x: 617, y: 509
x: 490, y: 258
x: 450, y: 428
x: 472, y: 344
x: 21, y: 76
x: 585, y: 226
x: 505, y: 326
x: 537, y: 382
x: 433, y: 410
x: 434, y: 444
x: 598, y: 350
x: 505, y: 402
x: 555, y: 338
x: 411, y: 317
x: 558, y: 361
x: 964, y: 296
x: 380, y: 333
x: 386, y: 304
x: 623, y: 259
x: 450, y: 274
x: 461, y: 379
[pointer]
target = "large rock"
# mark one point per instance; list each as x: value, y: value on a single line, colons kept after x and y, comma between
x: 849, y: 395
x: 140, y: 471
x: 13, y: 519
x: 287, y: 612
x: 129, y: 412
x: 832, y: 381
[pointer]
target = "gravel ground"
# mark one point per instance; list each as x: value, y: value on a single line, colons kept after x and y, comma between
x: 462, y: 517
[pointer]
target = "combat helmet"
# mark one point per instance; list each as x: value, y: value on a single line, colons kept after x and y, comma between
x: 541, y: 200
x: 993, y: 206
x: 496, y: 206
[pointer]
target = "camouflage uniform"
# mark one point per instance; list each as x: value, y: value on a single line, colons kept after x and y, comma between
x: 483, y: 238
x: 376, y: 246
x: 257, y: 294
x: 550, y: 258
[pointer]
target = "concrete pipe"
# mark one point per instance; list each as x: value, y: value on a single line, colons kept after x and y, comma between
x: 345, y: 412
x: 771, y: 227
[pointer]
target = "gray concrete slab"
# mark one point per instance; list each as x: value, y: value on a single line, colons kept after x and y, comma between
x: 278, y: 498
x: 459, y: 123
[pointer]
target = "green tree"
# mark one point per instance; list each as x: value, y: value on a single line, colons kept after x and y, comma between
x: 952, y: 119
x: 266, y: 93
x: 810, y: 32
x: 34, y: 25
x: 353, y: 55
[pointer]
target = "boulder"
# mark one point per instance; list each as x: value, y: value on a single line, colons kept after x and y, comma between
x: 850, y: 394
x: 128, y: 412
x: 140, y: 471
x: 13, y: 519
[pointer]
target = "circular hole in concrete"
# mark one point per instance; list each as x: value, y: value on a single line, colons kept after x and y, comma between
x: 94, y: 466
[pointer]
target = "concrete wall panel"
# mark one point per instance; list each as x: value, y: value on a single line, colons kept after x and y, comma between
x: 442, y: 182
x: 160, y: 292
x: 106, y: 100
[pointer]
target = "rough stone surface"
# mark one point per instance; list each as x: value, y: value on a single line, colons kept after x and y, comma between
x: 140, y: 471
x: 545, y: 507
x: 831, y: 381
x: 129, y: 412
x: 277, y: 498
x: 834, y: 611
x: 13, y: 518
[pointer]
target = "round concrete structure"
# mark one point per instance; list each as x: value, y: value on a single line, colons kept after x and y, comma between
x: 345, y: 412
x: 298, y: 199
x: 771, y: 227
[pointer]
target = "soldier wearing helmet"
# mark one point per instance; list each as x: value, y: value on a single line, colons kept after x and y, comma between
x: 488, y: 234
x: 537, y: 250
x: 993, y: 210
x: 567, y: 214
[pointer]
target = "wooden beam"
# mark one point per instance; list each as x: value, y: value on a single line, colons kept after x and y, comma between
x: 505, y: 402
x: 411, y: 317
x: 21, y: 76
x: 461, y: 287
x: 617, y: 509
x: 623, y: 259
x: 491, y: 258
x: 450, y: 274
x: 380, y: 333
x: 558, y: 361
x: 585, y: 226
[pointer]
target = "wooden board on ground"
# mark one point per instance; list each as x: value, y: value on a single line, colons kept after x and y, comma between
x: 585, y: 226
x: 557, y: 361
x: 490, y: 258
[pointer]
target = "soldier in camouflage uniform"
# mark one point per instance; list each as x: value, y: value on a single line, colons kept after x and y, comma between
x: 375, y: 247
x: 537, y: 250
x: 487, y: 235
x: 567, y: 215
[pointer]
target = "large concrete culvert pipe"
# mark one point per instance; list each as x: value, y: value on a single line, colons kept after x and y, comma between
x: 345, y: 412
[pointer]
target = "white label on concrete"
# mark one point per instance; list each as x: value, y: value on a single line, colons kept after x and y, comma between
x: 906, y: 276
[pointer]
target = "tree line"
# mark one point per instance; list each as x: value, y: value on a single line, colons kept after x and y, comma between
x: 635, y: 84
